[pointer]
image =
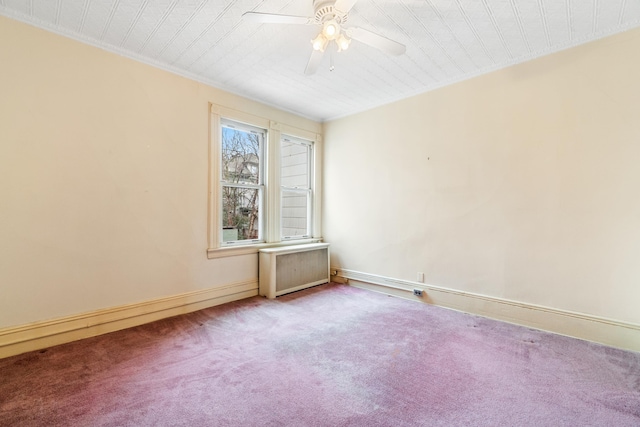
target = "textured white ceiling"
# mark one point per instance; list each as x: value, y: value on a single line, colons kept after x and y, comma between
x: 447, y: 41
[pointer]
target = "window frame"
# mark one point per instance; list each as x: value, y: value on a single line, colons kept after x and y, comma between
x: 270, y: 227
x: 306, y: 190
x: 260, y: 186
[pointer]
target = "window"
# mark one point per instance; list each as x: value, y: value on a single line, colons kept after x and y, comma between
x: 264, y: 188
x: 242, y: 182
x: 295, y: 182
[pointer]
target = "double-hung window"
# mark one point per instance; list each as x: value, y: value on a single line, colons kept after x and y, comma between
x: 296, y: 202
x: 242, y: 182
x: 263, y: 183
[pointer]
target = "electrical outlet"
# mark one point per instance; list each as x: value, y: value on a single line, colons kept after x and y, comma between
x: 417, y: 292
x: 421, y: 277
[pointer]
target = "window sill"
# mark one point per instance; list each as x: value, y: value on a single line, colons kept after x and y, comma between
x: 213, y: 253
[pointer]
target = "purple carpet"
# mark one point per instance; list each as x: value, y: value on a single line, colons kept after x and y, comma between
x: 328, y: 356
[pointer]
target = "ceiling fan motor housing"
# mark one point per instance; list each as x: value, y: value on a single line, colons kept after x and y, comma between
x: 324, y: 11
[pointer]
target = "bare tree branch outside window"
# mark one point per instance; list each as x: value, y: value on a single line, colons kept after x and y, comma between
x: 241, y: 184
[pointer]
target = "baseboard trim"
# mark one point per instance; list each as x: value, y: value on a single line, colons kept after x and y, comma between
x: 39, y: 335
x: 577, y: 325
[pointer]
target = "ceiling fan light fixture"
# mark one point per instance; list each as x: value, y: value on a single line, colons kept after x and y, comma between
x: 331, y: 18
x: 343, y: 43
x: 320, y: 42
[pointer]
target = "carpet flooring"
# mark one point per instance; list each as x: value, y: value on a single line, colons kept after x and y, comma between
x: 332, y: 355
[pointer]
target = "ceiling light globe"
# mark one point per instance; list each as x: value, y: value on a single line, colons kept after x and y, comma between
x: 331, y: 29
x: 319, y: 43
x: 343, y: 42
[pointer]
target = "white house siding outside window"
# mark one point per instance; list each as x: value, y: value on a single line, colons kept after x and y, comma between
x: 296, y: 160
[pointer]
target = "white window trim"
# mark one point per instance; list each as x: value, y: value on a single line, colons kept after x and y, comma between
x: 271, y: 215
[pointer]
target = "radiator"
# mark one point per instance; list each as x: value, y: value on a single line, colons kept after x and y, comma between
x: 287, y: 269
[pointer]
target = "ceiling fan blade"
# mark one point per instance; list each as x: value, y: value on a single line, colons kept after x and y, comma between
x: 273, y: 18
x: 344, y: 6
x: 376, y: 40
x: 314, y: 62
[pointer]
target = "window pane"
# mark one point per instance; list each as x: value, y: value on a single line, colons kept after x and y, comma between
x: 295, y: 213
x: 240, y: 210
x: 294, y: 164
x: 241, y: 156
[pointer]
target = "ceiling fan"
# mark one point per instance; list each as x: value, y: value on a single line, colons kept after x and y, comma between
x: 331, y: 15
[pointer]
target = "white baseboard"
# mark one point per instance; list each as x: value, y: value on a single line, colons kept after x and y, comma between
x: 39, y: 335
x: 578, y: 325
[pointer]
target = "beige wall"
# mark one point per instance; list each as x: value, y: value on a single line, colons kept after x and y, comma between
x: 103, y: 179
x: 522, y: 184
